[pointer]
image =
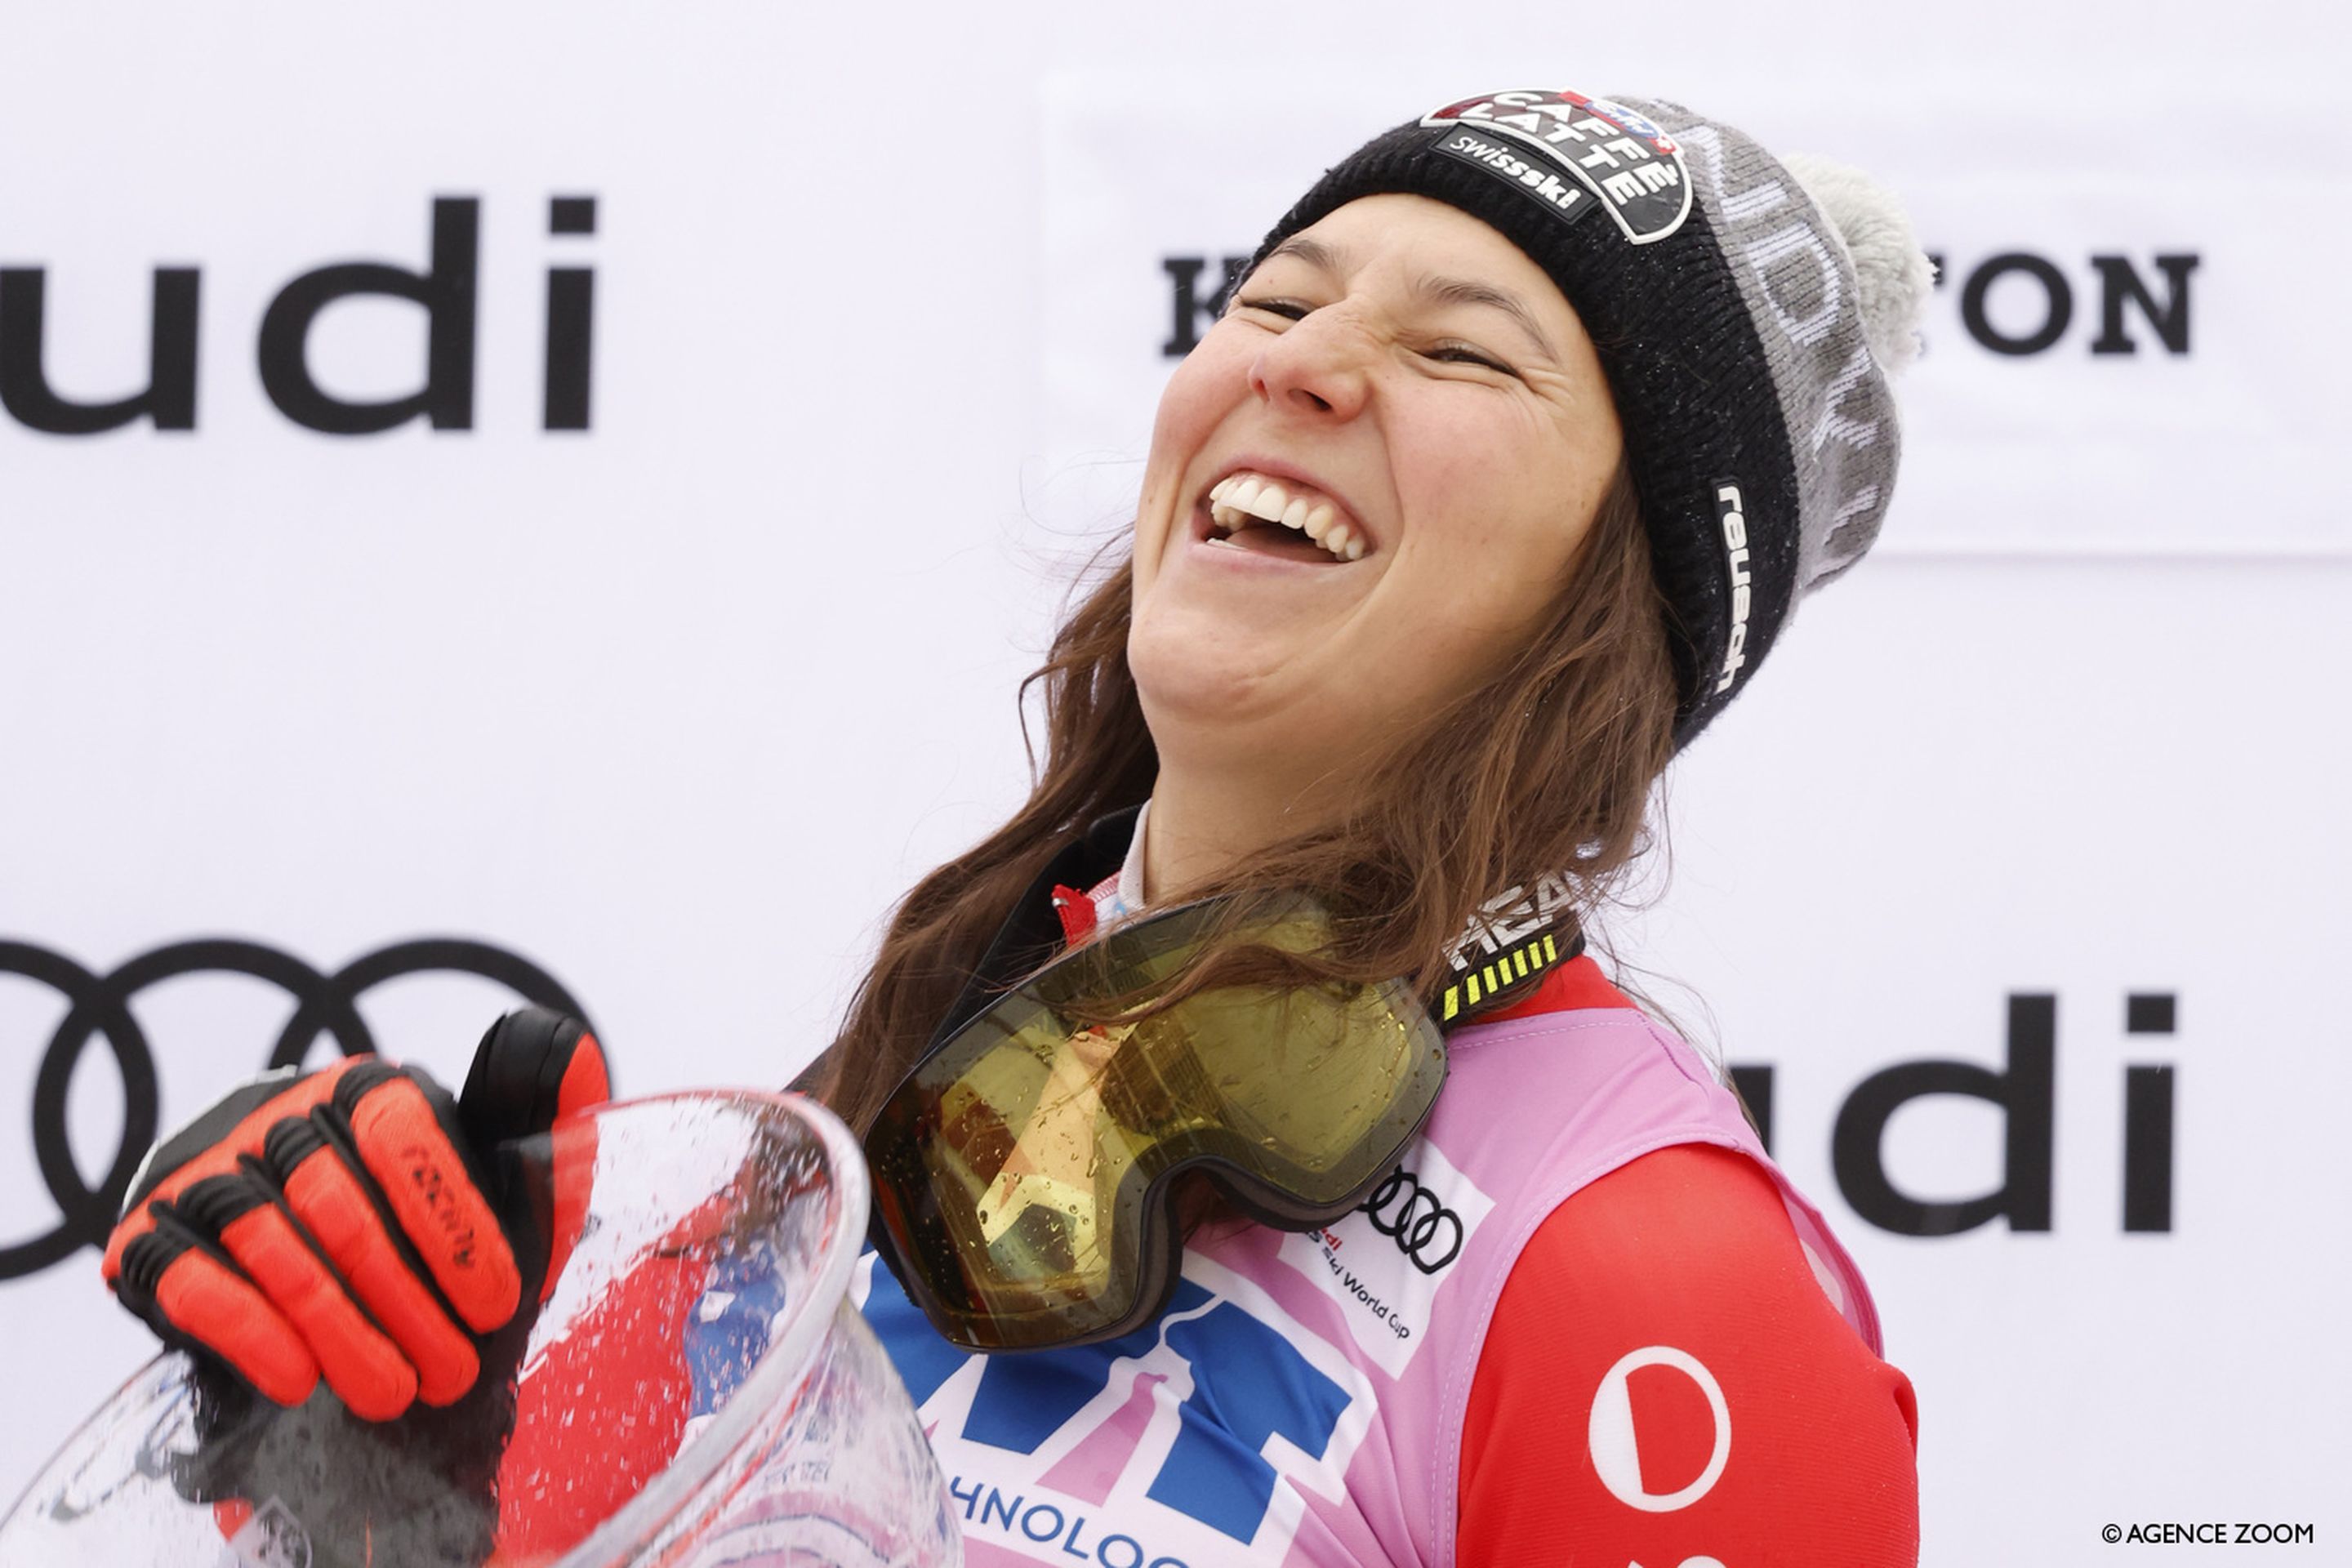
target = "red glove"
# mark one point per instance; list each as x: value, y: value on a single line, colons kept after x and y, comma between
x: 339, y: 1223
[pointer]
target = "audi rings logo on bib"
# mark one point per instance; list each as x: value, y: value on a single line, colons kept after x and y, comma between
x: 98, y: 1011
x: 1386, y: 1262
x: 1427, y: 1232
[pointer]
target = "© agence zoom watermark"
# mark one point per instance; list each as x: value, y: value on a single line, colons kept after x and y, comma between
x: 2209, y: 1532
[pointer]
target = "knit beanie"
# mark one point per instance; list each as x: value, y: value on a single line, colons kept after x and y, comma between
x: 1747, y: 312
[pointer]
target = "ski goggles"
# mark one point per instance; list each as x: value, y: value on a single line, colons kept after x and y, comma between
x: 1026, y: 1169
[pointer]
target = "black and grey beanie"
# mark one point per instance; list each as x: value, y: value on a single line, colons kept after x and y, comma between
x: 1747, y: 312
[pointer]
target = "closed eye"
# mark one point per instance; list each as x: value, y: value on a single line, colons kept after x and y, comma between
x: 1444, y: 354
x: 1461, y: 353
x: 1289, y: 310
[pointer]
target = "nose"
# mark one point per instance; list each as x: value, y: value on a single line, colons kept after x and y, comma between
x: 1316, y: 368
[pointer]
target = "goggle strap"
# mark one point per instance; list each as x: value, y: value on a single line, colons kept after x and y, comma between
x: 1485, y: 983
x: 1033, y: 936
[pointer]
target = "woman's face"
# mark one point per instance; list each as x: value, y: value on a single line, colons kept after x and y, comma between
x: 1423, y: 400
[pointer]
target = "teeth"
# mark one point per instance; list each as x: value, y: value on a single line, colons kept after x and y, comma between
x: 1268, y: 504
x: 1237, y: 499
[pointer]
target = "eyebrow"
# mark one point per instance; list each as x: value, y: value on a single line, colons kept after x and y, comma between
x: 1462, y: 291
x: 1433, y: 289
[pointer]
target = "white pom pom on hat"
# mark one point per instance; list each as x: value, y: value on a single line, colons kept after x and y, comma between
x: 1893, y: 276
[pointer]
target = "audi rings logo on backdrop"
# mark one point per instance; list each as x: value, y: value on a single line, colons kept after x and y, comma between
x: 1427, y: 1232
x: 98, y: 1008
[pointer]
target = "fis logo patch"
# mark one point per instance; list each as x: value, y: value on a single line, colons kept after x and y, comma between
x: 1573, y: 152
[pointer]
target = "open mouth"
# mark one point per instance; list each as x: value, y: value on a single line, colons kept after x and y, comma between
x: 1251, y: 511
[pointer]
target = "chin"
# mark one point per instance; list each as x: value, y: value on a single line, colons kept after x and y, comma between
x: 1189, y: 680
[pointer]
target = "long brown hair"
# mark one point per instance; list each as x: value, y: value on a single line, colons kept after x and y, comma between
x: 1545, y: 769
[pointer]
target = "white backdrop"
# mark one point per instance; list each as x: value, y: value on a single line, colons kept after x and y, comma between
x: 673, y: 707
